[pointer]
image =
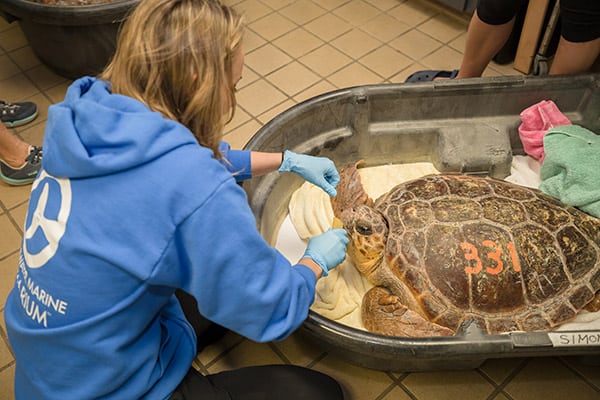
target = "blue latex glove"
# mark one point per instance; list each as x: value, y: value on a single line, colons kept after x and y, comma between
x: 320, y: 171
x: 328, y: 249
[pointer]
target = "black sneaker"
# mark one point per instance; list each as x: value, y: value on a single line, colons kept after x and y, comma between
x: 15, y: 114
x: 27, y: 172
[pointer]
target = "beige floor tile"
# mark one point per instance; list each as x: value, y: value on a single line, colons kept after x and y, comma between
x: 248, y: 77
x: 405, y: 73
x: 548, y: 379
x: 259, y: 97
x: 239, y: 117
x: 302, y: 11
x: 7, y: 377
x: 331, y: 4
x: 252, y: 41
x: 7, y: 67
x: 328, y: 27
x: 357, y: 382
x: 413, y: 12
x: 17, y: 87
x: 242, y: 134
x: 12, y: 196
x: 266, y: 59
x: 2, y: 322
x: 386, y: 61
x: 384, y: 28
x: 585, y: 367
x: 443, y: 58
x: 272, y: 26
x: 397, y: 393
x: 299, y: 349
x: 4, y: 25
x: 57, y: 93
x: 43, y: 77
x: 443, y: 28
x: 384, y: 5
x: 11, y: 236
x: 18, y: 215
x: 252, y: 10
x: 500, y: 368
x: 298, y: 42
x: 12, y: 38
x: 459, y: 42
x: 277, y: 4
x: 416, y: 44
x: 315, y: 90
x: 495, y: 69
x: 25, y: 58
x: 34, y: 132
x: 211, y: 353
x: 8, y: 271
x: 448, y: 385
x: 356, y: 12
x: 293, y: 78
x: 275, y: 111
x: 246, y: 354
x: 354, y: 75
x: 325, y: 60
x: 356, y: 43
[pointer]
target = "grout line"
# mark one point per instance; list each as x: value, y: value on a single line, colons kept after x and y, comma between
x: 7, y: 366
x: 223, y: 353
x: 410, y: 394
x: 496, y: 390
x: 386, y: 391
x: 507, y: 380
x: 317, y: 360
x: 579, y: 375
x: 279, y: 353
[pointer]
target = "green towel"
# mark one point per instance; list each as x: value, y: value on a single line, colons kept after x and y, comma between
x: 571, y: 169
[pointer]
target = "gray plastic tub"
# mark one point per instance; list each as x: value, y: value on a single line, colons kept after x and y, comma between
x: 466, y: 125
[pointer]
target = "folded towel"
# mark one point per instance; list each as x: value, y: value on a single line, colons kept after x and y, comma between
x: 535, y: 122
x: 571, y: 169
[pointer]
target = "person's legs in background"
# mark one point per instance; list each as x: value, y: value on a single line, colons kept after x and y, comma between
x: 579, y: 44
x: 489, y: 29
x: 484, y: 41
x: 19, y: 161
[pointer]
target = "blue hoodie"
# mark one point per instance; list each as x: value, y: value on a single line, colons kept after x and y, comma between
x: 127, y: 208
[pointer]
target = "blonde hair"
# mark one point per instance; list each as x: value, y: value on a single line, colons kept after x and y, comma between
x: 176, y: 57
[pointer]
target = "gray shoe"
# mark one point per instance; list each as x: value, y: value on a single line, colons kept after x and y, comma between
x: 27, y: 172
x: 16, y: 114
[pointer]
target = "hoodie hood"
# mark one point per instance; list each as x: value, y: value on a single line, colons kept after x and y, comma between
x: 94, y: 132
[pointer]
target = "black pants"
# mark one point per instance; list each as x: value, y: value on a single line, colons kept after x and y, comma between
x: 269, y: 382
x: 580, y: 19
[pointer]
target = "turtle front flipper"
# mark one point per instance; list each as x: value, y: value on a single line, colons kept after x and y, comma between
x: 383, y: 313
x: 350, y: 191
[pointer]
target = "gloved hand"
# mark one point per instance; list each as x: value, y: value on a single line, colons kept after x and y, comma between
x: 328, y: 249
x: 320, y: 171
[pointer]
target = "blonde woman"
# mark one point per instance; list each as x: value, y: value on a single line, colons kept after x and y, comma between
x: 136, y: 199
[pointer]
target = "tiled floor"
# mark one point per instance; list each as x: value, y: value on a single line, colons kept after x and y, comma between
x: 295, y: 50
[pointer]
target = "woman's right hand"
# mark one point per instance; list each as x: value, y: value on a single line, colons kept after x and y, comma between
x: 328, y: 249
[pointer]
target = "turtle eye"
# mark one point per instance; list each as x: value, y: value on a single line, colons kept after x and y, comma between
x: 363, y: 228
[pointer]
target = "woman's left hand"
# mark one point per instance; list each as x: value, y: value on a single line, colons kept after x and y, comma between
x: 320, y: 171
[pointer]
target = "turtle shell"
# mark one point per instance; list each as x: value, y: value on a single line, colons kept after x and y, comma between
x: 507, y: 256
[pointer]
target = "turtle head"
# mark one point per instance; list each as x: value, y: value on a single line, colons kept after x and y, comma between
x: 368, y: 230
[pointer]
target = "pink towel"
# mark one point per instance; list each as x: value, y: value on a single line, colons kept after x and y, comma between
x: 535, y: 122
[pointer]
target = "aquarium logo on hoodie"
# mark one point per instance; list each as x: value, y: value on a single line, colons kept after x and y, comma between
x: 45, y: 225
x: 46, y: 222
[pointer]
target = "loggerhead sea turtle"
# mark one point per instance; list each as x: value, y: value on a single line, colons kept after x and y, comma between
x: 444, y: 250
